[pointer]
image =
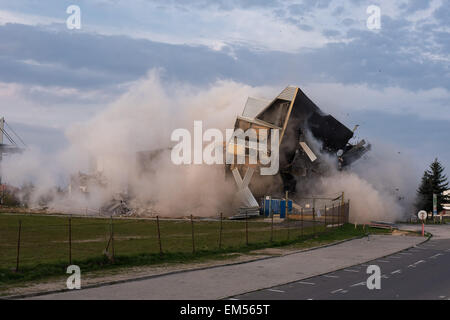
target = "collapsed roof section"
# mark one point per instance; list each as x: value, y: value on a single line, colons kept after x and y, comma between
x: 306, y: 133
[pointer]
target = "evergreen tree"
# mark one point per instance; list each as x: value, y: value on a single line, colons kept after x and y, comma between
x: 433, y: 182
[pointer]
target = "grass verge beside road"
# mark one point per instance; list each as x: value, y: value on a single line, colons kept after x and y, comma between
x: 44, y: 243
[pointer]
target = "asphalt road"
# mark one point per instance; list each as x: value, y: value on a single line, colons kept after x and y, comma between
x: 421, y: 272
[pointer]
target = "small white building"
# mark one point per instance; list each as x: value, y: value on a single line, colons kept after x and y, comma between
x: 446, y: 205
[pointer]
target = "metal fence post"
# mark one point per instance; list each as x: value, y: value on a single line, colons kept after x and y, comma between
x: 70, y: 240
x: 112, y: 239
x: 332, y: 217
x: 339, y: 215
x: 325, y: 222
x: 246, y: 228
x: 314, y: 220
x: 348, y: 211
x: 18, y: 246
x: 302, y: 222
x: 159, y: 236
x: 220, y: 232
x: 193, y: 241
x: 271, y: 229
x: 288, y: 231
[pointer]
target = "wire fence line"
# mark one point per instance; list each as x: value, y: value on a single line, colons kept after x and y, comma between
x: 29, y: 240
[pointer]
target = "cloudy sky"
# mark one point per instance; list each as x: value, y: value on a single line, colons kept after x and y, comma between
x: 394, y: 82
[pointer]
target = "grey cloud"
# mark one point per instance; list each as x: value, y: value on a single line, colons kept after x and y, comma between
x: 391, y: 57
x: 414, y: 5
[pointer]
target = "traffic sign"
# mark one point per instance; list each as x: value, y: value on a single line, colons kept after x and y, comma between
x: 422, y: 215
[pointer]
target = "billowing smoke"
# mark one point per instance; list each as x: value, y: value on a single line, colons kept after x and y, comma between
x: 381, y: 185
x: 143, y: 119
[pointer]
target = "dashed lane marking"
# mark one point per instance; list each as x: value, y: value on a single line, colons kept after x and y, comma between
x: 416, y: 263
x: 308, y: 283
x: 275, y: 290
x: 351, y: 270
x: 336, y: 291
x: 330, y: 276
x: 396, y: 271
x: 358, y: 284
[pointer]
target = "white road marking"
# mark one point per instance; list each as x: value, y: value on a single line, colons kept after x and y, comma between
x: 344, y: 291
x: 233, y: 299
x: 384, y: 276
x: 435, y: 256
x: 358, y: 284
x: 394, y: 257
x: 396, y: 271
x: 335, y: 291
x: 416, y: 263
x: 384, y: 261
x: 330, y: 276
x: 351, y: 270
x: 441, y: 297
x: 275, y: 290
x: 304, y: 282
x: 406, y: 254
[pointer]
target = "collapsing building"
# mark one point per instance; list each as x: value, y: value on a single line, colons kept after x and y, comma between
x: 310, y: 143
x: 309, y: 140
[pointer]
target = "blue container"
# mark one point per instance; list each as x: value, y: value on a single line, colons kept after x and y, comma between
x: 276, y: 206
x: 266, y: 207
x: 283, y: 208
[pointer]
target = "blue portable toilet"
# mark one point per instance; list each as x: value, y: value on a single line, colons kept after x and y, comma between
x: 276, y: 206
x: 283, y: 208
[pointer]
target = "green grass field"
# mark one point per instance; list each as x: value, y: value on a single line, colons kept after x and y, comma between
x: 44, y: 243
